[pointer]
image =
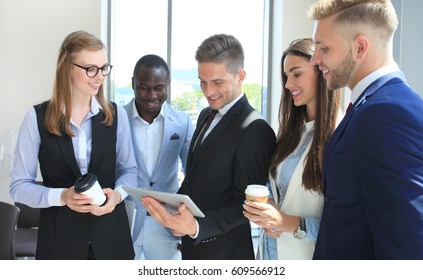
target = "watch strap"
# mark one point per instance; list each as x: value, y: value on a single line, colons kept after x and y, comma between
x: 303, y: 224
x: 300, y: 232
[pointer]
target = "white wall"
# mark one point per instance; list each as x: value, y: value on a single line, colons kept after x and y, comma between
x: 295, y: 24
x: 30, y: 34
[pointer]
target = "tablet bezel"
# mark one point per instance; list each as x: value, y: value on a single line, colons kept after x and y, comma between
x: 171, y: 199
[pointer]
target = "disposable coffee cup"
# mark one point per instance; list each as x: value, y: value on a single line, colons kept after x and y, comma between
x: 87, y: 184
x: 257, y: 193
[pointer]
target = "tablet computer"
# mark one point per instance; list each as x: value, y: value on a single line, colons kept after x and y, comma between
x: 171, y: 200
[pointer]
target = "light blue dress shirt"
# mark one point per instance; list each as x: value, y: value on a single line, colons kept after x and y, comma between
x: 23, y: 187
x: 284, y: 173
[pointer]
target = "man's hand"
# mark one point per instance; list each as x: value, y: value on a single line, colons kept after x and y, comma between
x: 181, y: 223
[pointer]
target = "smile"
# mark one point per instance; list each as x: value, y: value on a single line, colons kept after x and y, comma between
x: 95, y: 85
x: 151, y: 103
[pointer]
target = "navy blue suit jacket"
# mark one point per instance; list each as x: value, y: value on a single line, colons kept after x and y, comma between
x: 373, y: 177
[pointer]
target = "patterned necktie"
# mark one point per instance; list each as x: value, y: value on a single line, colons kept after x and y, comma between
x: 206, y: 126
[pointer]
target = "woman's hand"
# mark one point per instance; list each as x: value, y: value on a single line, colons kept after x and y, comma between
x: 270, y: 217
x: 113, y: 199
x: 76, y: 201
x: 272, y: 232
x: 81, y: 203
x: 263, y: 214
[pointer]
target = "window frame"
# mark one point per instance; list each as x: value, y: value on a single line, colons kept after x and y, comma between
x: 107, y: 33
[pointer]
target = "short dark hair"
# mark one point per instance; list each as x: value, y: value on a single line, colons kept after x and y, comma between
x: 152, y: 61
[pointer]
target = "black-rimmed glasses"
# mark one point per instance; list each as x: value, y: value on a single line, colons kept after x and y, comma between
x: 92, y: 71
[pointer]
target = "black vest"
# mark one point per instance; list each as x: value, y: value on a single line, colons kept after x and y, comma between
x: 64, y: 233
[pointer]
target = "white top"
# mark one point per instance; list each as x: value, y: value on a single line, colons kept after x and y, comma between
x: 148, y: 137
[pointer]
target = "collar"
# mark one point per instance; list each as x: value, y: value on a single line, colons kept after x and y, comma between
x: 95, y: 106
x: 227, y: 107
x: 366, y: 81
x: 135, y: 112
x: 309, y: 126
x: 95, y: 109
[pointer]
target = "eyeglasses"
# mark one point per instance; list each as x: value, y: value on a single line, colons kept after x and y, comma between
x: 92, y: 71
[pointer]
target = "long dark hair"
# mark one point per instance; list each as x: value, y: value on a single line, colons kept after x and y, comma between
x: 292, y: 118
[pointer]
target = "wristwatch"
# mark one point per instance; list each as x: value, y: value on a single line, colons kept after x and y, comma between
x: 301, y: 232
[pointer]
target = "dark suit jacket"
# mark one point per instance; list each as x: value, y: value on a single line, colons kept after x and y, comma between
x: 373, y: 177
x: 235, y: 154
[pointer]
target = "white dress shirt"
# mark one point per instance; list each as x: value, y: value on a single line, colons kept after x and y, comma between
x: 366, y: 81
x: 221, y: 112
x: 148, y: 137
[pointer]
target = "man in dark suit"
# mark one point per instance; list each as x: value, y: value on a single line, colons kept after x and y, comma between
x: 234, y: 152
x: 373, y: 163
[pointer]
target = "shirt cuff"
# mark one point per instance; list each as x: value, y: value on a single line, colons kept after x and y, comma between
x: 123, y: 193
x: 54, y: 196
x: 198, y: 230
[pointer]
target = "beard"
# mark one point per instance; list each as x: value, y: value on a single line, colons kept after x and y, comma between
x: 342, y: 73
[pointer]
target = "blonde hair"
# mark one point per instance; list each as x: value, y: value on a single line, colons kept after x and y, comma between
x: 354, y: 16
x: 58, y: 112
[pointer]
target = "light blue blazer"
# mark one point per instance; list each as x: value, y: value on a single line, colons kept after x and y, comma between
x: 177, y: 134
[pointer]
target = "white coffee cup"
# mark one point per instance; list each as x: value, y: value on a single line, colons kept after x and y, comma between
x: 257, y: 193
x: 87, y: 184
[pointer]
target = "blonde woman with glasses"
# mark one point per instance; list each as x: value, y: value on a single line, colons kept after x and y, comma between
x: 76, y: 132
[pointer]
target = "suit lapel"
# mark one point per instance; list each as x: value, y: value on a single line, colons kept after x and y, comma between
x: 368, y: 92
x: 66, y: 146
x: 201, y: 122
x: 218, y: 130
x: 296, y: 178
x: 168, y: 130
x: 193, y: 156
x: 221, y: 126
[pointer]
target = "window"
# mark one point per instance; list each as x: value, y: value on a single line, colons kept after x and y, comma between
x: 174, y: 30
x: 138, y: 27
